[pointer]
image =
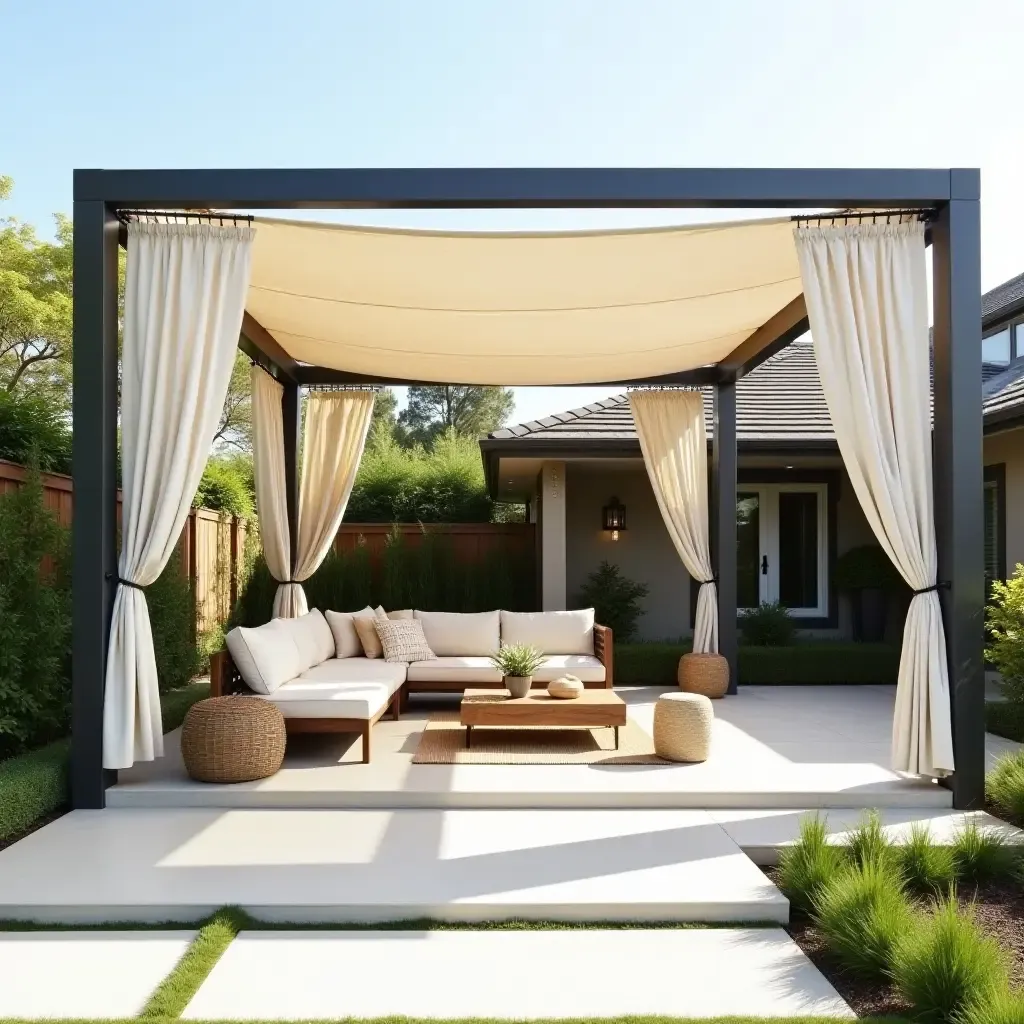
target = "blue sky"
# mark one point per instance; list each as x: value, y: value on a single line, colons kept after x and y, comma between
x: 557, y: 82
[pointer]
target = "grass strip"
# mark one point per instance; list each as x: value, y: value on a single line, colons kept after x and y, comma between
x: 637, y: 1019
x: 176, y: 990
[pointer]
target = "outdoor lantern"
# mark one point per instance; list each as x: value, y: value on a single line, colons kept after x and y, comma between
x: 614, y: 517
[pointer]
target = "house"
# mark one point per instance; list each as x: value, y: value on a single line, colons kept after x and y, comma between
x: 796, y: 509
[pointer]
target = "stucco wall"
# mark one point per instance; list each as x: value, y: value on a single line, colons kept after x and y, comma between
x: 1008, y: 449
x: 645, y: 553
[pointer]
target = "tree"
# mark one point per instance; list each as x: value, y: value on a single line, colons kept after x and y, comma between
x: 234, y: 430
x: 35, y: 307
x: 468, y: 410
x: 385, y: 413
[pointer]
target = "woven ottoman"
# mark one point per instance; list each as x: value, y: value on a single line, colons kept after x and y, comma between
x: 682, y: 726
x: 232, y: 739
x: 703, y: 673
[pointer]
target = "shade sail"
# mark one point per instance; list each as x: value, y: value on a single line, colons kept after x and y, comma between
x: 518, y: 309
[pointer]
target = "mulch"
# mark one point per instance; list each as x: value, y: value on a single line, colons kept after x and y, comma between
x: 998, y: 909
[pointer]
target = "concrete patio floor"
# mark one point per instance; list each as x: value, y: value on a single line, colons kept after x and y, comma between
x: 773, y: 747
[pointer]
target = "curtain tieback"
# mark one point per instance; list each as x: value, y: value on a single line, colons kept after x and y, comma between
x: 285, y: 583
x: 128, y: 583
x: 941, y: 585
x: 704, y: 583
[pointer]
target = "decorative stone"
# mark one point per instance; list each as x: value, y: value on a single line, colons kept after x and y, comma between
x: 565, y: 688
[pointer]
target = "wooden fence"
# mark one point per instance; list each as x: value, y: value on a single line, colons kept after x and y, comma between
x: 212, y: 544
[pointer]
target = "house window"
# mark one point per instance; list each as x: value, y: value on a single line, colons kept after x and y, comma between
x: 997, y: 348
x: 782, y: 535
x: 994, y: 510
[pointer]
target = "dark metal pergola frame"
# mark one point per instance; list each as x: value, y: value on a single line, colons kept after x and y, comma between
x: 952, y: 196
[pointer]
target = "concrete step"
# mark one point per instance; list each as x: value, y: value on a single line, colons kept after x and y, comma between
x: 335, y: 866
x: 521, y: 975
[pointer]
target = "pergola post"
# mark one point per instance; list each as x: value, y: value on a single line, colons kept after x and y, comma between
x: 291, y: 410
x: 723, y: 520
x: 958, y: 484
x: 94, y: 470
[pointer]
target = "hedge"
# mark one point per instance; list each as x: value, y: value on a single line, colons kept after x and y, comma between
x: 808, y: 662
x: 34, y: 785
x: 1005, y: 718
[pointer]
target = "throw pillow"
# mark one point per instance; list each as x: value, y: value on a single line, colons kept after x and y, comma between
x: 403, y: 640
x: 367, y: 633
x: 346, y: 639
x: 402, y: 613
x: 379, y: 612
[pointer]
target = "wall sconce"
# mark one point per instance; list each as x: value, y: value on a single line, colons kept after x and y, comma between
x: 613, y: 517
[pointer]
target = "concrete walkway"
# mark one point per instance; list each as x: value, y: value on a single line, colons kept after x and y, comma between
x: 514, y: 974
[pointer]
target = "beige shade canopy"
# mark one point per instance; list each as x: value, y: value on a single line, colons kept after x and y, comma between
x: 518, y: 309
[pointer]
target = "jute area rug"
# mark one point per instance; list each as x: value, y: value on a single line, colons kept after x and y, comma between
x: 443, y: 741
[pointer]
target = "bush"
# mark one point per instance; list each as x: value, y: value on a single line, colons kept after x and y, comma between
x: 981, y: 855
x: 869, y: 845
x: 811, y: 863
x: 172, y: 616
x: 944, y: 965
x: 1005, y: 785
x: 768, y: 625
x: 35, y: 620
x: 1004, y: 620
x: 806, y: 662
x: 926, y: 867
x: 614, y: 598
x: 1005, y: 718
x: 225, y: 487
x: 34, y: 429
x: 864, y: 913
x: 443, y: 483
x: 1004, y: 1008
x: 867, y: 568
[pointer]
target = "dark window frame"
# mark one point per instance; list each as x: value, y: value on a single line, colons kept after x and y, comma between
x: 996, y: 474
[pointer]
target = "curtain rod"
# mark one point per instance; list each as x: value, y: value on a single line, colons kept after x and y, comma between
x: 847, y: 215
x: 232, y: 218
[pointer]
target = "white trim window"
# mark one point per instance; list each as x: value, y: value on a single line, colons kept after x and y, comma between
x: 782, y: 534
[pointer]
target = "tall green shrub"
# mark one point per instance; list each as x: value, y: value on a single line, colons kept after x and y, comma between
x: 172, y: 616
x: 1005, y: 622
x: 809, y: 864
x: 35, y: 619
x: 615, y: 600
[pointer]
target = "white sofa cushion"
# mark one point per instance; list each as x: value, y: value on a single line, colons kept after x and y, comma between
x: 586, y: 668
x: 346, y: 640
x: 265, y: 656
x: 312, y: 636
x: 550, y: 632
x: 456, y: 634
x: 357, y: 670
x: 462, y: 670
x: 310, y: 698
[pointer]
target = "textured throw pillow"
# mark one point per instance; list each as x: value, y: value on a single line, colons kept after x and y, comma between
x: 403, y: 640
x: 368, y: 635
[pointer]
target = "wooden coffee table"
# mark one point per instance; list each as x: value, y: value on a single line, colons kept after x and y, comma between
x: 591, y: 709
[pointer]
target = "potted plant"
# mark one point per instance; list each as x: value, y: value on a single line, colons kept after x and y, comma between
x: 517, y: 663
x: 868, y: 576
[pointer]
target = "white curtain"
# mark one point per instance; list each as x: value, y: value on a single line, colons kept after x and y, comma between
x: 271, y: 491
x: 336, y: 427
x: 674, y: 443
x: 184, y: 299
x: 867, y: 301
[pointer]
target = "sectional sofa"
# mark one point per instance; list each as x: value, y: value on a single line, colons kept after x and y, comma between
x: 315, y: 670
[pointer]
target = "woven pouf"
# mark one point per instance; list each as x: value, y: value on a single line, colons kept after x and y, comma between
x: 682, y: 726
x: 703, y: 673
x: 232, y: 739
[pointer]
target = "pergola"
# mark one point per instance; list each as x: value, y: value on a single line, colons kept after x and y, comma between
x: 949, y: 197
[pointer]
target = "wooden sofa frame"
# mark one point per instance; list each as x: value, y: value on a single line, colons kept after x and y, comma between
x: 225, y: 679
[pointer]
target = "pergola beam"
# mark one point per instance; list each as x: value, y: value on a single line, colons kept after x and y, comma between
x: 788, y: 324
x: 490, y: 188
x: 263, y: 348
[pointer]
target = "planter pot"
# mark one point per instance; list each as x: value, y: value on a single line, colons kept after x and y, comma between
x: 518, y: 686
x: 870, y: 613
x: 706, y: 674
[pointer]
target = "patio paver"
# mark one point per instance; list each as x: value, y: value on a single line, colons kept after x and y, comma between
x: 84, y: 974
x: 514, y: 974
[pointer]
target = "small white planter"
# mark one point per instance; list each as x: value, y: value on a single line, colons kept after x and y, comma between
x: 518, y: 686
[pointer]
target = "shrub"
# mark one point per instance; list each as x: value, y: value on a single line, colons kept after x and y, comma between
x: 925, y: 865
x: 35, y: 620
x: 869, y: 844
x: 981, y: 855
x: 809, y: 864
x: 768, y: 625
x: 172, y: 615
x: 614, y: 598
x: 34, y: 430
x: 1003, y: 1008
x: 944, y: 965
x: 864, y: 913
x: 1004, y: 620
x: 224, y: 487
x: 1005, y: 785
x: 866, y: 567
x: 1005, y: 718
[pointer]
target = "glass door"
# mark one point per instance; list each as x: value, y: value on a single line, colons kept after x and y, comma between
x: 748, y: 555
